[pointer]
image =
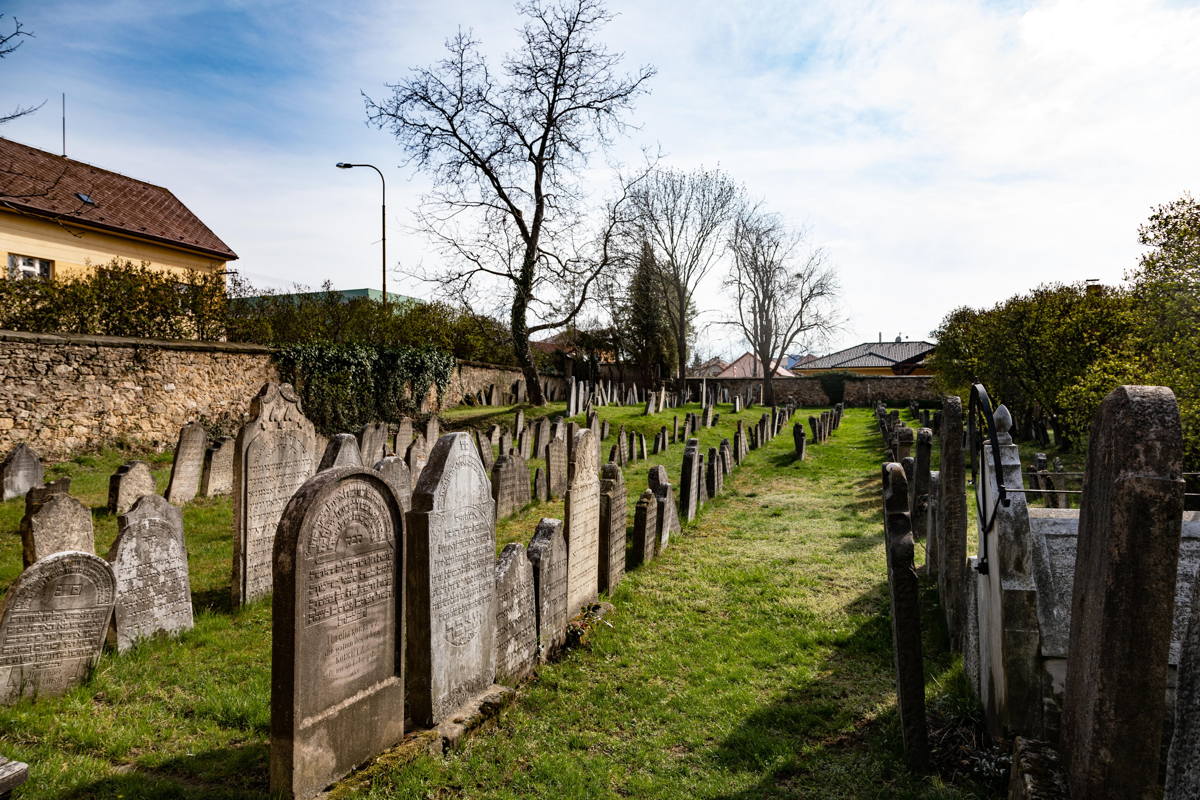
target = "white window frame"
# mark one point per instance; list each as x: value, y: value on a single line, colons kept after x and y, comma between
x: 21, y: 267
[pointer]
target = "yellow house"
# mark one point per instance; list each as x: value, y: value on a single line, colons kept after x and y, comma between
x: 871, y: 358
x: 60, y: 218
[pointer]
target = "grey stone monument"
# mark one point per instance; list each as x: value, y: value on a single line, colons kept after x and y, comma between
x: 58, y: 523
x: 547, y: 554
x: 127, y: 485
x: 612, y: 527
x: 188, y: 464
x: 342, y: 451
x: 451, y: 582
x: 373, y: 442
x: 216, y: 478
x: 395, y: 471
x: 516, y: 617
x: 337, y: 635
x: 689, y: 481
x: 582, y: 524
x: 20, y: 471
x: 510, y: 485
x: 416, y: 456
x: 274, y: 457
x: 150, y: 564
x: 645, y: 530
x: 667, y: 517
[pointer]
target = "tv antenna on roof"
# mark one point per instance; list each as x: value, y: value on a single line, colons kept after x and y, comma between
x: 64, y: 124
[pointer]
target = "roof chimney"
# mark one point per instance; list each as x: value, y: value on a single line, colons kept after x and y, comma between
x: 898, y: 339
x: 881, y: 337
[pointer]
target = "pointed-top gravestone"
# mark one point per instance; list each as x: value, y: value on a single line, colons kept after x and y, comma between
x: 129, y: 484
x: 337, y: 635
x: 582, y: 524
x: 150, y: 564
x: 273, y: 458
x: 516, y: 618
x: 547, y: 554
x: 373, y: 442
x: 612, y: 527
x: 57, y: 523
x: 53, y: 624
x: 395, y: 472
x: 217, y: 476
x: 342, y: 451
x: 20, y: 471
x: 451, y: 602
x: 188, y: 464
x: 1122, y: 603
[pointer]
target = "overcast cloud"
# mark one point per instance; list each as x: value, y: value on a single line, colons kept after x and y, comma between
x: 943, y: 153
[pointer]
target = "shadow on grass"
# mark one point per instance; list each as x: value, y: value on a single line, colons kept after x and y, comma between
x: 228, y: 773
x: 218, y: 600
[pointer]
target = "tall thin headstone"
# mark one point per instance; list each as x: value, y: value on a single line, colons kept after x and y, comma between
x: 582, y: 524
x: 516, y: 617
x: 451, y: 602
x: 150, y: 564
x: 337, y: 630
x: 689, y: 481
x: 395, y: 471
x: 217, y: 476
x: 920, y: 488
x: 612, y: 527
x: 645, y: 529
x: 667, y: 519
x: 188, y: 464
x: 273, y: 458
x: 952, y: 520
x: 373, y: 442
x: 547, y: 553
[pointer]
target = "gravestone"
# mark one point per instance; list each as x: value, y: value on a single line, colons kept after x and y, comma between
x: 556, y: 467
x: 20, y: 471
x: 415, y: 457
x: 342, y: 451
x: 547, y: 554
x: 395, y: 471
x: 689, y: 481
x: 799, y: 440
x: 128, y: 484
x: 667, y: 518
x: 816, y: 430
x: 217, y: 476
x: 55, y: 523
x: 451, y: 602
x: 919, y: 499
x: 337, y: 635
x: 188, y: 464
x: 1114, y: 703
x: 951, y: 545
x: 516, y: 617
x: 510, y: 485
x: 612, y: 527
x: 373, y: 442
x: 645, y: 530
x: 273, y: 459
x: 433, y: 430
x: 55, y: 617
x: 906, y: 617
x: 713, y: 477
x: 582, y: 524
x: 1183, y: 768
x: 621, y: 448
x: 404, y: 435
x: 541, y: 485
x: 485, y: 450
x: 150, y: 565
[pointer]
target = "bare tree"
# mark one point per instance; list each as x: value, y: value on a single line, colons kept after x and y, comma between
x: 9, y: 43
x: 784, y: 296
x: 684, y: 217
x: 505, y: 153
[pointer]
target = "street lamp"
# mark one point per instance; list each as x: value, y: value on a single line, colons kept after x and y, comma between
x: 382, y: 218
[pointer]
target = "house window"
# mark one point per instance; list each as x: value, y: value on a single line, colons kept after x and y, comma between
x: 29, y: 267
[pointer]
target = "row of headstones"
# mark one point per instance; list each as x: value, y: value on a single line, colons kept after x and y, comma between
x: 822, y: 427
x: 1131, y: 608
x: 1050, y: 486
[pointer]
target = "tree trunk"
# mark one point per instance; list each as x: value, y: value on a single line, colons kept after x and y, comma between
x: 522, y: 351
x: 768, y: 392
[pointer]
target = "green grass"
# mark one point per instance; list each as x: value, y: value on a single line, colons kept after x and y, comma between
x: 753, y: 659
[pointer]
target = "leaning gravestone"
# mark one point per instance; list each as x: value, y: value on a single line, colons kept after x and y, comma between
x: 547, y: 554
x: 188, y: 464
x: 150, y: 564
x: 451, y: 599
x: 20, y: 471
x: 129, y: 484
x: 582, y: 524
x: 57, y: 524
x: 373, y: 442
x: 395, y: 472
x: 273, y: 458
x: 337, y: 641
x: 516, y: 618
x: 342, y: 451
x: 54, y: 621
x: 612, y: 527
x: 217, y: 475
x: 668, y: 518
x: 645, y: 529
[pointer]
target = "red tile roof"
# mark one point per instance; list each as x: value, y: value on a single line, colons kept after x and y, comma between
x: 36, y: 182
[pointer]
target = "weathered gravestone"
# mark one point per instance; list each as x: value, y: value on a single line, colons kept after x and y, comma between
x: 667, y: 518
x: 485, y: 450
x: 127, y: 485
x: 20, y: 471
x: 612, y: 527
x: 556, y: 467
x: 395, y: 471
x: 373, y: 442
x: 689, y: 481
x: 1183, y: 768
x: 1124, y: 593
x: 59, y: 522
x: 433, y: 430
x: 582, y: 524
x: 415, y: 457
x: 645, y: 530
x: 906, y: 617
x: 451, y: 602
x: 516, y: 617
x: 547, y: 554
x: 404, y: 435
x: 799, y: 440
x: 12, y: 775
x: 816, y: 430
x: 54, y: 621
x: 337, y: 635
x: 216, y: 477
x: 919, y: 491
x: 150, y: 564
x: 713, y: 477
x: 951, y: 545
x: 510, y: 485
x: 342, y: 451
x: 188, y: 464
x: 274, y: 457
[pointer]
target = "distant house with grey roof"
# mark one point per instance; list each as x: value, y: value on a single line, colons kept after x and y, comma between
x: 871, y: 358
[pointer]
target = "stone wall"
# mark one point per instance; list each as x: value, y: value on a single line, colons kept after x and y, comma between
x: 62, y: 394
x: 802, y: 391
x: 473, y: 376
x: 892, y: 391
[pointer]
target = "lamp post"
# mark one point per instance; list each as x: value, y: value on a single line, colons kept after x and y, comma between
x: 382, y: 218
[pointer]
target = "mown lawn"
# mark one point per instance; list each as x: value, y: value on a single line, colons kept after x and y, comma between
x: 752, y: 660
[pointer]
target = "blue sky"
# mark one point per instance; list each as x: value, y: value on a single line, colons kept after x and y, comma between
x: 942, y: 152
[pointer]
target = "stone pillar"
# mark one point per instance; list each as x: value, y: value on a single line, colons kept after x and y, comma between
x: 1122, y: 605
x: 952, y: 519
x: 920, y: 487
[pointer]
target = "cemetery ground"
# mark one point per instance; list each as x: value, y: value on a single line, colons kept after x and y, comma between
x: 752, y: 659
